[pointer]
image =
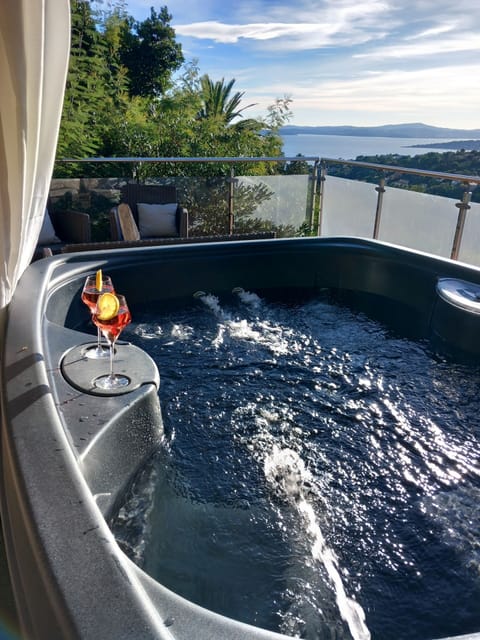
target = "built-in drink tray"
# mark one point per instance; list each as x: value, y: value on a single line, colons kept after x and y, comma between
x: 81, y: 371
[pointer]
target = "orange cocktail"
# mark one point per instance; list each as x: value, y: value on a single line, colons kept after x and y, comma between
x: 111, y: 315
x: 94, y: 286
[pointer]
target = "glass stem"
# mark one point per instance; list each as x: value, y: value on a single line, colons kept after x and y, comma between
x: 111, y: 345
x: 99, y: 339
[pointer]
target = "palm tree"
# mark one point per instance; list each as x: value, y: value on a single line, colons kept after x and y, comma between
x: 218, y: 104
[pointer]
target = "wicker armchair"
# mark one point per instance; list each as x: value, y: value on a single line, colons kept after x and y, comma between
x: 70, y: 227
x: 126, y: 221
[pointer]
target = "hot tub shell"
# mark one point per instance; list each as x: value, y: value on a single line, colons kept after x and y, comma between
x: 69, y: 453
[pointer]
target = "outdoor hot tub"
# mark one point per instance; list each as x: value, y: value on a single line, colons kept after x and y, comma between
x: 71, y: 452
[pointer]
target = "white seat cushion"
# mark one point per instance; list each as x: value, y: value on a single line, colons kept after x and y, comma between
x: 47, y: 232
x: 157, y: 220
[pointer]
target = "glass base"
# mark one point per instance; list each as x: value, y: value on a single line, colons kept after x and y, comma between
x: 111, y: 382
x: 96, y: 352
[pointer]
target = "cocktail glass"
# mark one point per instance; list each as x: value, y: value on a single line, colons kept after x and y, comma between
x: 111, y: 329
x: 90, y: 295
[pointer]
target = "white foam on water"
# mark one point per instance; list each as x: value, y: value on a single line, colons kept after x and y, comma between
x: 248, y: 297
x: 286, y: 472
x: 212, y: 302
x: 181, y: 331
x: 243, y: 330
x: 219, y: 338
x: 148, y: 331
x: 273, y: 337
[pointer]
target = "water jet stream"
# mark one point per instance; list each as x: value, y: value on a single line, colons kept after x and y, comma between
x: 285, y: 471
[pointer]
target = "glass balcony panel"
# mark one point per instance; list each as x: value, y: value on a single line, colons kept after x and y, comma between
x: 470, y: 245
x: 206, y: 199
x: 418, y: 221
x: 280, y: 203
x: 348, y: 208
x: 283, y: 203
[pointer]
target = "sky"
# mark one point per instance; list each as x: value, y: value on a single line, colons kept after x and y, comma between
x: 342, y: 62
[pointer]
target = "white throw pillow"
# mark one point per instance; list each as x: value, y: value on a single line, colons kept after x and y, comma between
x: 47, y: 232
x: 157, y: 220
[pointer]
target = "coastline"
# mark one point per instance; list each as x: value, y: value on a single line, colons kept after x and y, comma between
x: 454, y: 145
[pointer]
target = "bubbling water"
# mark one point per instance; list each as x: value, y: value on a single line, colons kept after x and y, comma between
x: 324, y: 467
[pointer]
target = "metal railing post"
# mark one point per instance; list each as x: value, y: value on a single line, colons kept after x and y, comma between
x: 463, y: 207
x: 231, y: 198
x: 321, y: 193
x: 313, y: 194
x: 378, y: 212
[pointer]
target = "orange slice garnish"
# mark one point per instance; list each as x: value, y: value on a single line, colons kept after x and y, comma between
x: 107, y: 306
x: 98, y: 280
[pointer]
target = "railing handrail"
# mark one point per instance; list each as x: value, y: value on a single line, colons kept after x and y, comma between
x: 226, y: 159
x: 229, y: 159
x: 458, y: 177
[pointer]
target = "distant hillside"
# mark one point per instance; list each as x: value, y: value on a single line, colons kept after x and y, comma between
x: 409, y: 130
x: 466, y: 145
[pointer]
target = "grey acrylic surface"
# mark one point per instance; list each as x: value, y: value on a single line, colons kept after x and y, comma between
x: 68, y: 453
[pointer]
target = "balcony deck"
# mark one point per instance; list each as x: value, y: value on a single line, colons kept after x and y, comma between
x: 300, y: 197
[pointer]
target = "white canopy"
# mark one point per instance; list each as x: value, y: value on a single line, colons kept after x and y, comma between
x: 34, y: 54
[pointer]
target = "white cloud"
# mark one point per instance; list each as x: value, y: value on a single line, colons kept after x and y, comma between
x: 434, y: 31
x: 404, y: 95
x: 460, y: 43
x: 232, y: 33
x: 280, y: 36
x: 346, y: 23
x: 426, y: 84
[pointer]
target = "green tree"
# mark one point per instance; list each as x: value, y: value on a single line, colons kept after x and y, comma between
x: 111, y: 27
x: 99, y: 115
x: 85, y: 90
x: 278, y: 114
x: 121, y: 101
x: 150, y: 53
x: 219, y: 105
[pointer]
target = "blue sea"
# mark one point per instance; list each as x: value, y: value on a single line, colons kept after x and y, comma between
x: 349, y: 147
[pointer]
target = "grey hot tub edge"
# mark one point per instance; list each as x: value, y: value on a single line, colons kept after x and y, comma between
x: 68, y: 455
